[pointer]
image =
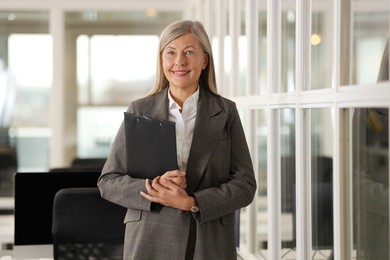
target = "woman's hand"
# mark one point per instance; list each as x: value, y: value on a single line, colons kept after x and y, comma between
x: 169, y: 194
x: 178, y: 177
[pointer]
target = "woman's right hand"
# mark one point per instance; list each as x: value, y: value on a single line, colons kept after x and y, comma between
x: 177, y: 177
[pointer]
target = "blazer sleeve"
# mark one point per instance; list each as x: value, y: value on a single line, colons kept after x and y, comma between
x: 114, y: 183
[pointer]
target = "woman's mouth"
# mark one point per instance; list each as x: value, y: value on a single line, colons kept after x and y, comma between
x: 180, y: 72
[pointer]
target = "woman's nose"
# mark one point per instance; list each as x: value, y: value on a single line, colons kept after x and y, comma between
x: 180, y: 60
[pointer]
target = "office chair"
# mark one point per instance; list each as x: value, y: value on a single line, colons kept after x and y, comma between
x: 88, y: 163
x: 82, y: 164
x: 86, y: 226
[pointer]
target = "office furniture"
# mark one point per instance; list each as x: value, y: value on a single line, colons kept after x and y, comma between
x: 83, y: 164
x: 8, y: 166
x: 86, y: 226
x: 33, y: 208
x: 88, y: 163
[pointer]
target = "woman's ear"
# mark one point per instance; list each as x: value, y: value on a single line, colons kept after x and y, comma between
x: 206, y: 61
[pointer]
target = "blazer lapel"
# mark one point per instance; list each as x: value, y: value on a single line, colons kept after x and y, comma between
x: 209, y: 125
x: 157, y: 106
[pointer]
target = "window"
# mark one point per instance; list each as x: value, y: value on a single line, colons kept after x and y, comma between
x: 115, y: 69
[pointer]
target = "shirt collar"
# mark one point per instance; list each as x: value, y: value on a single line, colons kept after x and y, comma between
x: 191, y: 99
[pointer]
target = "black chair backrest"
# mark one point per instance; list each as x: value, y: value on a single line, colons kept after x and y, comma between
x: 86, y: 226
x: 88, y: 163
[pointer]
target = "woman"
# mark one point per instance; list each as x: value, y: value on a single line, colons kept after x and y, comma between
x: 187, y: 213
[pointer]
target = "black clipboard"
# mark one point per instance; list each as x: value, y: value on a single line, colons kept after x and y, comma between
x: 150, y: 146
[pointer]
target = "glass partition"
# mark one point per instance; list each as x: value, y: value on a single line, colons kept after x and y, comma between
x: 262, y: 50
x: 288, y: 199
x: 242, y: 53
x: 260, y: 164
x: 370, y: 174
x: 26, y: 66
x: 288, y: 44
x: 25, y: 84
x: 321, y: 44
x: 321, y: 133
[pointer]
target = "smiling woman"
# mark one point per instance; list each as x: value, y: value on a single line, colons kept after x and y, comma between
x: 197, y: 201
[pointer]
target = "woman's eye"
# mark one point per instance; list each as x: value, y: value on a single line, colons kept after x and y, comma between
x: 170, y: 52
x: 189, y: 52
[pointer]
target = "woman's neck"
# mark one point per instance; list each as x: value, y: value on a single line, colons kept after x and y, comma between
x: 180, y: 95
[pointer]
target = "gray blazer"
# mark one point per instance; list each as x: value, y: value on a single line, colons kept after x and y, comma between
x: 219, y: 174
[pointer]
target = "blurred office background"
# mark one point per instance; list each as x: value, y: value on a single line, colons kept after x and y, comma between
x: 300, y: 72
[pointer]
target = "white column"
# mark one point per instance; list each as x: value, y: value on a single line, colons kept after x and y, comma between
x: 273, y: 139
x: 57, y: 106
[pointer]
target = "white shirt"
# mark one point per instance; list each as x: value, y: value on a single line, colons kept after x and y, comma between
x: 185, y: 124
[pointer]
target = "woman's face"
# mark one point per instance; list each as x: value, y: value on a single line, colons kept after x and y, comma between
x: 183, y: 60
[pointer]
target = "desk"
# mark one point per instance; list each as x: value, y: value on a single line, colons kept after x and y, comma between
x: 6, y: 230
x: 8, y: 255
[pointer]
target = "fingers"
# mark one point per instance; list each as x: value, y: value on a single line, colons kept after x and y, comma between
x: 177, y: 177
x: 170, y: 195
x: 149, y: 189
x: 162, y: 185
x: 175, y: 173
x: 183, y: 185
x: 147, y: 196
x: 152, y: 193
x: 154, y: 188
x: 148, y: 185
